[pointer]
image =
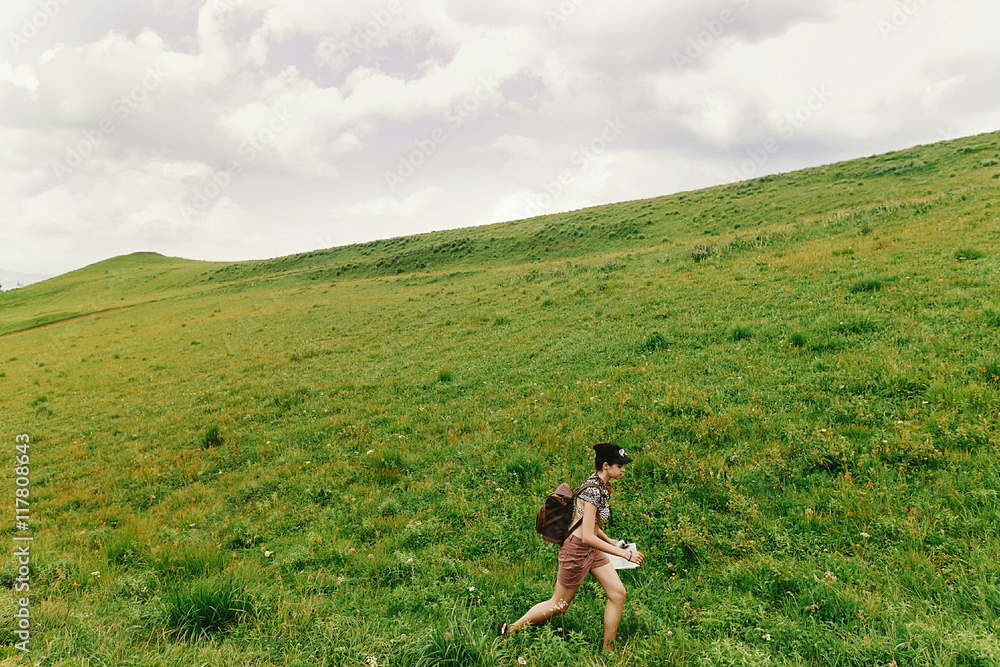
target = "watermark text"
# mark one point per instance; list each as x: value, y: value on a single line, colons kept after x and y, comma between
x: 32, y: 25
x: 121, y: 108
x: 785, y: 128
x: 22, y: 540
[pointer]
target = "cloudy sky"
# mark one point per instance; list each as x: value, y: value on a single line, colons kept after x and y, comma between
x: 240, y: 129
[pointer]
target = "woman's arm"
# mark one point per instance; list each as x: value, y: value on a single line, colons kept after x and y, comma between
x: 600, y: 533
x: 595, y: 537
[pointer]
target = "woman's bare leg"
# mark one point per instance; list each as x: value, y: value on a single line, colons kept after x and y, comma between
x: 607, y: 577
x: 557, y: 604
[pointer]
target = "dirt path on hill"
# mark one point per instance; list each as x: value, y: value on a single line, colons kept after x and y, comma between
x: 68, y: 319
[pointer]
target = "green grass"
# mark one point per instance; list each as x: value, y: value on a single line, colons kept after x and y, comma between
x: 335, y: 456
x: 202, y: 607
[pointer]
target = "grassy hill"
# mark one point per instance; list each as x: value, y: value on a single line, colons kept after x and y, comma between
x: 338, y: 455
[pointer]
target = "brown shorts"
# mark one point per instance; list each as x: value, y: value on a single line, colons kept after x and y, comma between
x: 576, y: 559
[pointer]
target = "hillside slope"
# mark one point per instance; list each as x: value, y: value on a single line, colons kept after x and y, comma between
x: 119, y: 282
x: 346, y: 448
x: 914, y: 178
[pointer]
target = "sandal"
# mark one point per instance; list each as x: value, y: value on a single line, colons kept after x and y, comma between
x: 502, y: 629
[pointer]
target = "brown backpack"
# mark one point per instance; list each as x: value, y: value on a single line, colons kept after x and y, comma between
x: 555, y: 516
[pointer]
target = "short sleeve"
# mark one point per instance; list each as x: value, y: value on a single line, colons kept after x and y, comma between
x: 592, y: 495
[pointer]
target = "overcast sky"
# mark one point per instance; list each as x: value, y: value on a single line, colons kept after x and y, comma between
x: 242, y: 129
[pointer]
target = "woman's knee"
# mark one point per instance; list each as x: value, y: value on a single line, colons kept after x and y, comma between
x: 617, y: 593
x: 559, y: 605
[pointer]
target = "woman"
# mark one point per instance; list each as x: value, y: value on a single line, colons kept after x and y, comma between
x: 585, y: 548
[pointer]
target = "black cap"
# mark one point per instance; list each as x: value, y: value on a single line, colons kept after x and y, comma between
x: 611, y: 454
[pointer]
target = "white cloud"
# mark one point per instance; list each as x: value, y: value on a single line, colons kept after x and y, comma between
x: 19, y: 76
x: 249, y: 127
x: 394, y: 207
x: 519, y: 146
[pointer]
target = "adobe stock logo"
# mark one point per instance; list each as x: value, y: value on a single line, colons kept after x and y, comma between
x: 252, y: 145
x: 714, y: 28
x: 363, y: 36
x: 900, y: 16
x: 786, y: 128
x: 121, y: 109
x: 565, y: 9
x: 381, y: 19
x: 35, y: 23
x: 456, y: 115
x: 539, y: 203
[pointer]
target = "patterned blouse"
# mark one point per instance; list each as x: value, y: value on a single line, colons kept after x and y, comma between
x: 599, y: 496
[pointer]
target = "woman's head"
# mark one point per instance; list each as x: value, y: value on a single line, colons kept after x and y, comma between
x: 610, y: 454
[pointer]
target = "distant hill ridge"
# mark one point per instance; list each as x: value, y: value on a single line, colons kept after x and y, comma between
x: 15, y: 279
x: 745, y: 213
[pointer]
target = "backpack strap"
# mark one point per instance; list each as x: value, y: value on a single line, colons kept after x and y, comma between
x: 580, y: 522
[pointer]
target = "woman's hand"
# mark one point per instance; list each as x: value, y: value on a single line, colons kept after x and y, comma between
x: 635, y: 557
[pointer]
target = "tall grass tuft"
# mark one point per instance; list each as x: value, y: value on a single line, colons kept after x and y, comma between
x: 181, y: 561
x: 205, y: 606
x: 452, y: 645
x: 125, y: 548
x: 798, y: 339
x: 523, y: 470
x: 871, y: 285
x: 212, y: 437
x: 991, y: 373
x: 702, y: 251
x: 968, y: 253
x: 654, y: 342
x: 388, y: 468
x: 857, y: 325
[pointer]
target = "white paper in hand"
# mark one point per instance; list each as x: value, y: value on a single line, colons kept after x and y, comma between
x: 623, y: 563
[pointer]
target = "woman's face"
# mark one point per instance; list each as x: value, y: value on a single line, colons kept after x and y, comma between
x: 616, y: 471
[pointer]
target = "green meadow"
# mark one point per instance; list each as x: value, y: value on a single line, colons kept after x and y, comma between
x: 335, y: 458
